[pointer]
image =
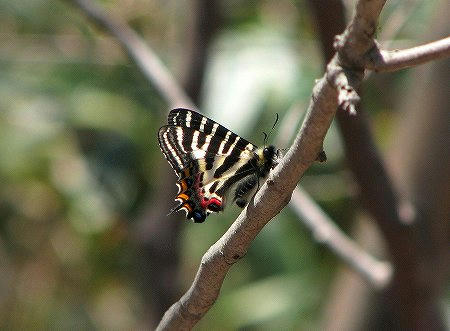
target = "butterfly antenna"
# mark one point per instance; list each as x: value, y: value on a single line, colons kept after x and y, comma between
x: 265, y: 138
x: 276, y: 121
x: 273, y: 126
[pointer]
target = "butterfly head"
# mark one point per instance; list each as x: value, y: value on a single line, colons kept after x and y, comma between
x: 269, y: 152
x: 269, y: 157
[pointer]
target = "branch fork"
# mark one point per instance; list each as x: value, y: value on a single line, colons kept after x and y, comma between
x: 379, y: 60
x: 344, y: 83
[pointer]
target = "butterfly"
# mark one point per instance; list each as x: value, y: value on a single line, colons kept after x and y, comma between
x: 211, y: 161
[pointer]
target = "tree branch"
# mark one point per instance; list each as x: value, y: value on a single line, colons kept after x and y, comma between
x: 325, y: 231
x: 277, y: 190
x: 382, y: 60
x: 405, y: 247
x: 145, y: 58
x: 357, y: 38
x: 378, y: 273
x: 269, y: 201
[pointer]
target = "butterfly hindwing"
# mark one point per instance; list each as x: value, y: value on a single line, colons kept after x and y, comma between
x: 208, y: 159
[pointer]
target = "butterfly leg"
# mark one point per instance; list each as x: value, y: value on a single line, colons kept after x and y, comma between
x: 245, y: 189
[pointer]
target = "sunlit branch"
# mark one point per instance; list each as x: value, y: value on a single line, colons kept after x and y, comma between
x: 382, y: 60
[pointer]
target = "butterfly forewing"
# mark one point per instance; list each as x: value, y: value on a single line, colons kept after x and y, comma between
x: 219, y: 139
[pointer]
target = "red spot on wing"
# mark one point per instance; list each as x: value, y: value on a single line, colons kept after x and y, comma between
x: 204, y: 203
x: 212, y: 204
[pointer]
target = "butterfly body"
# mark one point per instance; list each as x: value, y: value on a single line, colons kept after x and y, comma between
x: 211, y: 161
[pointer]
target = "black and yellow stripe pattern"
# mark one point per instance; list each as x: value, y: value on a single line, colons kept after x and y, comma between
x: 209, y: 160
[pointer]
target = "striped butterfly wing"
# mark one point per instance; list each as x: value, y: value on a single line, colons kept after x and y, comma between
x: 208, y: 159
x: 191, y: 136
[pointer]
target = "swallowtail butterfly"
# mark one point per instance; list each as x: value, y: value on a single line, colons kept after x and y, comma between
x: 210, y: 162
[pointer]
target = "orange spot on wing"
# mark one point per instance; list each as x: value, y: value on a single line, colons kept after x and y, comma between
x: 188, y: 207
x: 182, y: 196
x: 183, y: 185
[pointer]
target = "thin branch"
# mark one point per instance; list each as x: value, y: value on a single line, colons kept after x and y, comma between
x: 405, y: 247
x: 325, y: 231
x: 277, y: 190
x: 382, y: 60
x: 393, y: 24
x: 145, y: 58
x: 269, y: 201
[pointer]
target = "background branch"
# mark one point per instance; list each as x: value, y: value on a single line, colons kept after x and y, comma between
x: 155, y: 234
x: 361, y: 152
x: 382, y: 60
x: 207, y: 21
x: 377, y: 273
x: 380, y: 199
x: 144, y: 57
x: 325, y: 231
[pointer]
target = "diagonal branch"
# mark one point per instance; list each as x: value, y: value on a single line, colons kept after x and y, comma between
x: 145, y: 58
x: 269, y: 201
x: 377, y: 273
x: 382, y: 60
x: 324, y: 230
x: 277, y: 191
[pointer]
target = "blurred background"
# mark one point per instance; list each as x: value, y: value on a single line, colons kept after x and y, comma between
x: 85, y: 242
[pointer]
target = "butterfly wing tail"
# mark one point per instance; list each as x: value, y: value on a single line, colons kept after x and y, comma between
x: 175, y: 209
